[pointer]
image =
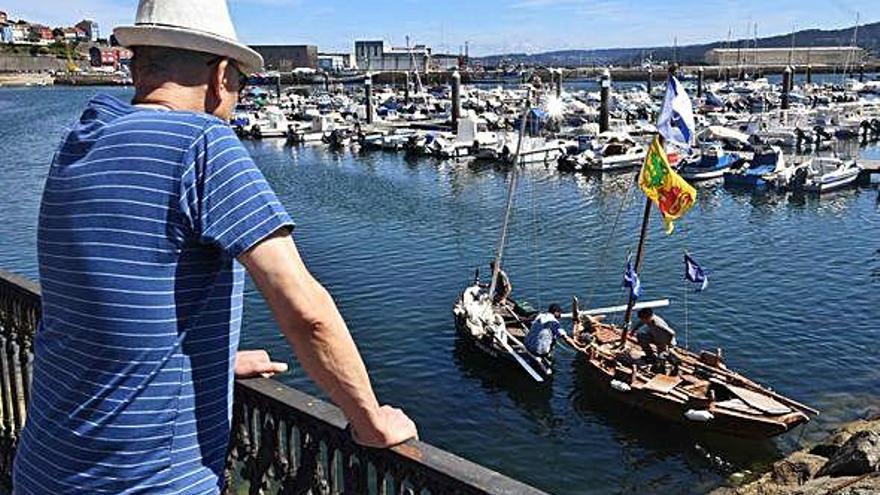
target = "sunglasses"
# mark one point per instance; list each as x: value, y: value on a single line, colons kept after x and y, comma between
x: 243, y: 78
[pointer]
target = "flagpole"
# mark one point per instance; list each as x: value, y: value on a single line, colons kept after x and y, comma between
x: 640, y: 253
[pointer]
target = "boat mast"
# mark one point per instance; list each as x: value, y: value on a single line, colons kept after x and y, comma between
x: 511, y: 190
x: 640, y: 252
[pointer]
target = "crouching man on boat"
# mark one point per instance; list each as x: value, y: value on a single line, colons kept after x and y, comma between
x: 657, y: 332
x: 545, y: 331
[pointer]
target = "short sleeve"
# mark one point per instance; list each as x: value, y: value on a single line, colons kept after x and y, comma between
x: 224, y: 196
x: 558, y: 331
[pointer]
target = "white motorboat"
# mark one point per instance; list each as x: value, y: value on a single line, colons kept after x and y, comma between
x: 825, y: 174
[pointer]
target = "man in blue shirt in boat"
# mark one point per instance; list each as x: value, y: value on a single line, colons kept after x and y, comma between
x: 657, y: 332
x: 545, y: 331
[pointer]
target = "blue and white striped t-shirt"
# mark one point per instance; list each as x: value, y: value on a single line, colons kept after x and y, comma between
x: 143, y: 214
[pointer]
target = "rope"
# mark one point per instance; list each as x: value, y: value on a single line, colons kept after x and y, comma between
x: 603, y: 260
x: 687, y: 344
x: 536, y: 259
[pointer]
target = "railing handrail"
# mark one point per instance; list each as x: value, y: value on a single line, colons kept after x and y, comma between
x: 284, y: 406
x: 441, y: 463
x: 26, y: 286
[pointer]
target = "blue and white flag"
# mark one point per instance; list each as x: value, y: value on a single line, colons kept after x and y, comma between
x: 631, y: 280
x: 695, y: 273
x: 676, y: 122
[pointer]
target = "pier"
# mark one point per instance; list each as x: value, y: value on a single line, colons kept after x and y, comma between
x: 283, y: 440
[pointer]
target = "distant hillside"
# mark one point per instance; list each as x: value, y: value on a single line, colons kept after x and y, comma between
x: 869, y: 38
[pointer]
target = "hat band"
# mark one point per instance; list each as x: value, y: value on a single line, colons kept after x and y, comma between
x: 185, y: 28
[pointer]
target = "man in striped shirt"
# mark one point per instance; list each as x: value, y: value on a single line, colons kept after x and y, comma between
x: 149, y: 212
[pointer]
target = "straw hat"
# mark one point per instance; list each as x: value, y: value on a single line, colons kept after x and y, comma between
x: 196, y: 25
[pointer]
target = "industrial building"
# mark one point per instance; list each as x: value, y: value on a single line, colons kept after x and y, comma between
x: 817, y: 56
x: 286, y: 58
x: 336, y: 62
x: 375, y: 56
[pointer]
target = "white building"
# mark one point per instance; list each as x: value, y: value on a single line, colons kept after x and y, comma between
x: 376, y: 57
x: 823, y: 55
x: 336, y: 62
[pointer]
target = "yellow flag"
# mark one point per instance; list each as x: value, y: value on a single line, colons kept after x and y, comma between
x: 672, y: 194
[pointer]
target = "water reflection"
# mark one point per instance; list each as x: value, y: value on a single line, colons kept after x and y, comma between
x: 722, y: 453
x: 500, y: 375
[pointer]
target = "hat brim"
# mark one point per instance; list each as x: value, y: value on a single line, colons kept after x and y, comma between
x: 247, y: 59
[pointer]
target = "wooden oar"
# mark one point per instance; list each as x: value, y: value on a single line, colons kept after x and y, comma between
x: 662, y: 303
x: 522, y: 362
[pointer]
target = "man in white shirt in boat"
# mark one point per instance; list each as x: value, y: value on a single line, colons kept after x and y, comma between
x: 657, y: 332
x: 545, y: 331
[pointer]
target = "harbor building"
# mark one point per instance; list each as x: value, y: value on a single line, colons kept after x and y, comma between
x: 286, y: 58
x: 376, y: 56
x: 91, y: 29
x: 445, y: 62
x: 336, y: 62
x: 818, y: 56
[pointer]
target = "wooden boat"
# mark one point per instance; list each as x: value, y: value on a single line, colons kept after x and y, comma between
x: 695, y: 389
x: 498, y: 331
x: 701, y: 393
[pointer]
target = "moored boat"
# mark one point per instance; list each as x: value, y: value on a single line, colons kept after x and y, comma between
x: 825, y: 174
x: 712, y: 163
x: 498, y: 330
x: 698, y: 391
x: 767, y: 168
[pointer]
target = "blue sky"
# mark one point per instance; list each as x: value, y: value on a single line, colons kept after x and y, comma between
x: 491, y: 26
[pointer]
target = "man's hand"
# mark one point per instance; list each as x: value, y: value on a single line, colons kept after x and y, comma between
x: 251, y: 364
x: 389, y: 427
x: 309, y: 319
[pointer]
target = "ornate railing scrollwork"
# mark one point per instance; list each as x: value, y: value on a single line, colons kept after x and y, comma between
x: 283, y: 441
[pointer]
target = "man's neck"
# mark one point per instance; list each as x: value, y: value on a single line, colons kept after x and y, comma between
x: 177, y: 99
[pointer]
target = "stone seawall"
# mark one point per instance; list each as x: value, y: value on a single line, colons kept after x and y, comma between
x: 25, y: 63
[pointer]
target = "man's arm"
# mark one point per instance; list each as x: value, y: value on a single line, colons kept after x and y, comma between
x: 310, y: 321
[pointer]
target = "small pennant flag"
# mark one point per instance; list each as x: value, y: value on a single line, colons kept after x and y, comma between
x: 695, y: 273
x: 631, y: 280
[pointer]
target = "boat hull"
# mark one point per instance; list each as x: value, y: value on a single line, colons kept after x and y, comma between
x: 491, y: 348
x: 833, y: 184
x: 696, y: 174
x: 667, y: 410
x: 701, y: 394
x: 745, y: 181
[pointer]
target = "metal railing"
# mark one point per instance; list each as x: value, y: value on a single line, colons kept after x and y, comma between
x: 283, y: 441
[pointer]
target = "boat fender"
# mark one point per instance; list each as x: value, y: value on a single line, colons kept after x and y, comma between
x: 620, y: 386
x: 699, y: 416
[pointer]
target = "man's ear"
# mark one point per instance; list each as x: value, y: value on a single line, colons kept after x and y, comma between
x: 217, y: 84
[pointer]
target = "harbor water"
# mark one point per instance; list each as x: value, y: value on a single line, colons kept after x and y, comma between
x: 793, y: 297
